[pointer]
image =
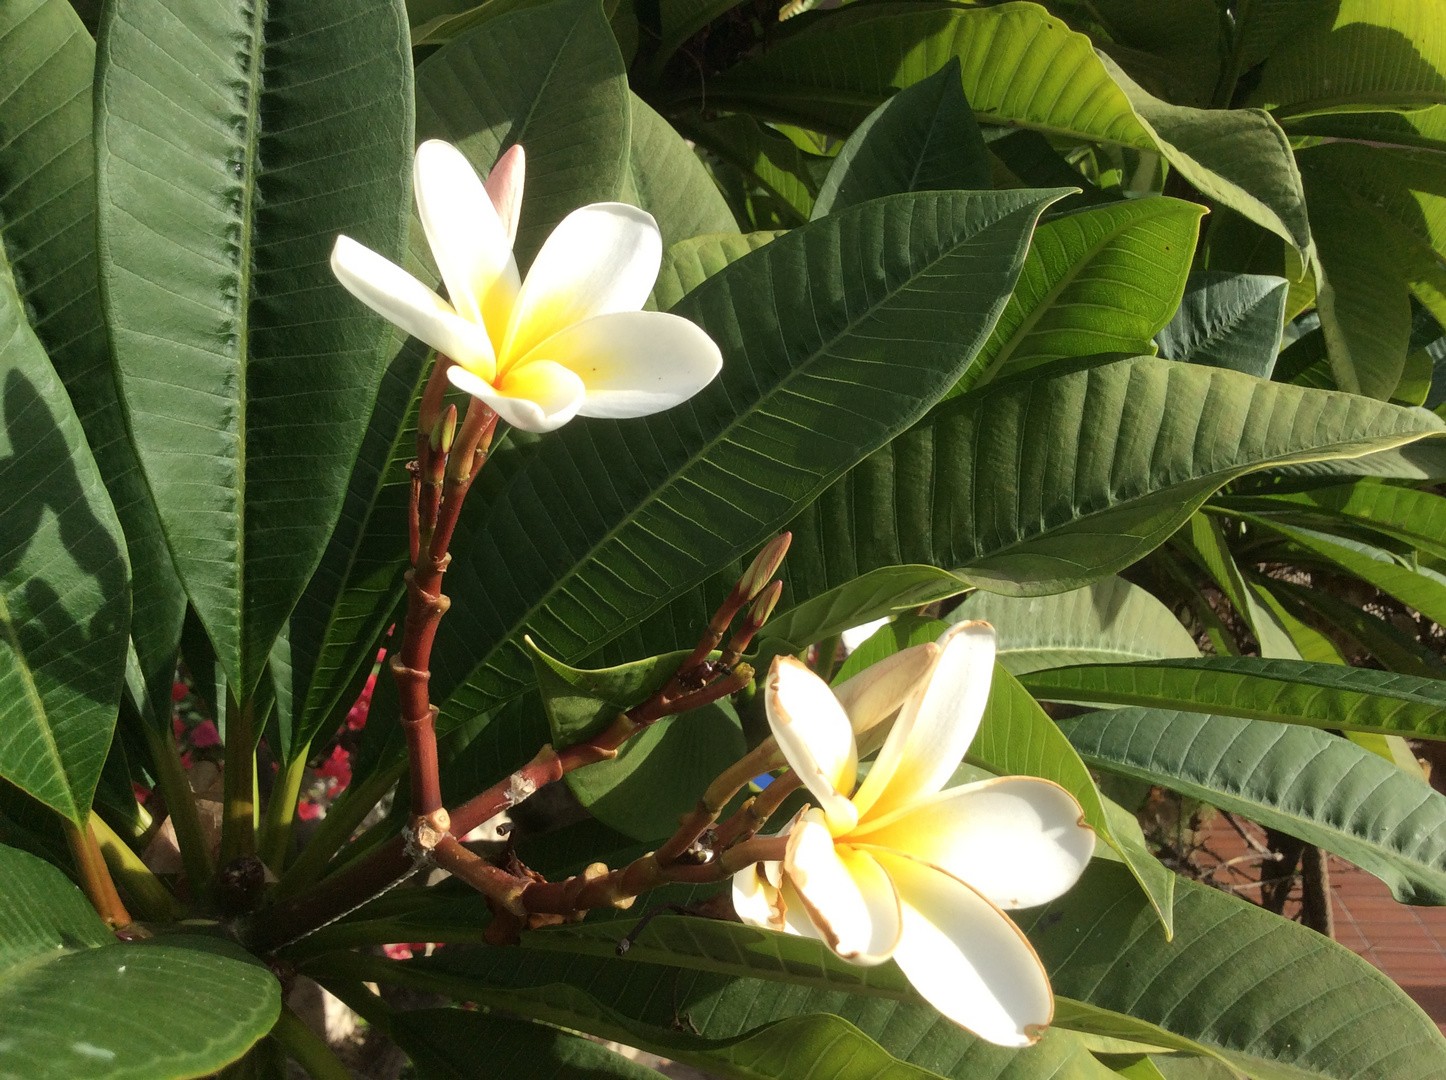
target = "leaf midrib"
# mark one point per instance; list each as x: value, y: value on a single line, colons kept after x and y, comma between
x: 724, y: 435
x: 246, y: 263
x: 32, y: 693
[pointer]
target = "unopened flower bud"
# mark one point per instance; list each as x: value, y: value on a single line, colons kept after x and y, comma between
x: 764, y: 566
x: 444, y: 430
x: 758, y: 612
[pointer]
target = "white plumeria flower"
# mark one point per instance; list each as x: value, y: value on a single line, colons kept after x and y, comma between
x: 900, y: 868
x: 568, y: 341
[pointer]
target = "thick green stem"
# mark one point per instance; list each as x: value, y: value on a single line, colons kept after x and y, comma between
x: 150, y: 898
x: 181, y: 805
x: 94, y: 875
x: 335, y: 829
x: 307, y: 1048
x: 238, y: 815
x: 281, y: 810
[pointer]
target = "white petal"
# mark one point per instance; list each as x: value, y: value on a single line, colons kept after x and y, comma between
x: 814, y: 735
x: 537, y: 400
x: 848, y: 898
x: 634, y: 363
x: 467, y: 238
x: 966, y: 958
x: 756, y: 900
x: 935, y: 726
x: 600, y: 259
x: 401, y: 299
x: 1018, y: 840
x: 875, y: 694
x: 504, y: 187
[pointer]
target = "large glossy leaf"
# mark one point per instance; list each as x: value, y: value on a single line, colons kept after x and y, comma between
x: 1017, y: 738
x: 1228, y: 320
x: 766, y: 157
x: 47, y: 224
x: 247, y: 370
x: 689, y: 263
x: 1418, y: 586
x: 1109, y: 621
x: 1324, y: 789
x: 1238, y: 157
x: 1289, y: 691
x: 357, y: 586
x: 735, y: 1027
x: 666, y: 179
x: 1073, y: 475
x: 811, y: 381
x: 1416, y: 517
x: 73, y: 1002
x: 64, y: 582
x: 1097, y: 281
x: 1021, y: 66
x: 548, y: 76
x: 924, y: 138
x: 452, y: 1044
x: 888, y: 590
x: 1357, y: 55
x: 1275, y: 998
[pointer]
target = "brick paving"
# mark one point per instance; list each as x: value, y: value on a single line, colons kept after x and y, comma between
x: 1407, y: 943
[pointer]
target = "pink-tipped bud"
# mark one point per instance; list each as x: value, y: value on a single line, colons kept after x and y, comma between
x: 430, y: 410
x: 762, y: 606
x: 444, y: 431
x: 764, y: 566
x: 504, y: 187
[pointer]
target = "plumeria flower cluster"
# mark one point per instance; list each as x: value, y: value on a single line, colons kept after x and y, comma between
x: 569, y: 339
x: 897, y: 866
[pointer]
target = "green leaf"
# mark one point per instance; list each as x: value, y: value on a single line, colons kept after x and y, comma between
x: 450, y: 1044
x: 1173, y: 49
x: 666, y: 179
x: 885, y: 591
x: 1417, y: 586
x: 746, y: 1028
x: 1237, y: 157
x: 548, y: 76
x: 1204, y: 542
x: 1289, y: 691
x: 1361, y: 286
x: 352, y: 597
x: 689, y: 263
x: 1072, y: 475
x: 1111, y: 620
x: 1415, y: 517
x: 65, y: 978
x: 1022, y: 67
x: 47, y: 225
x: 924, y: 138
x: 64, y: 583
x: 681, y: 19
x: 1424, y: 460
x: 767, y: 156
x: 810, y: 382
x: 1395, y: 650
x: 1017, y: 738
x: 1101, y: 280
x: 1358, y: 55
x: 233, y: 340
x: 1228, y: 320
x: 1319, y: 787
x: 657, y: 774
x: 1274, y: 998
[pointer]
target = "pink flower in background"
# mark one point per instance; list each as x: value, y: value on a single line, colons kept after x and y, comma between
x: 307, y: 810
x: 204, y: 735
x: 179, y: 691
x: 336, y: 768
